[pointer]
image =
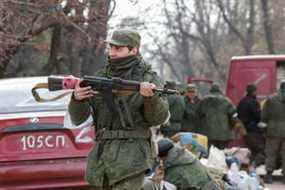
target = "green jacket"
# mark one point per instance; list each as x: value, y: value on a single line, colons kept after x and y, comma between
x: 190, y: 122
x: 176, y: 109
x: 116, y: 154
x: 184, y: 170
x: 273, y: 114
x: 215, y: 112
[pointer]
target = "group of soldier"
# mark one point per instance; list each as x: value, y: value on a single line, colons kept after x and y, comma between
x: 124, y: 150
x: 210, y: 115
x: 262, y: 127
x: 214, y: 115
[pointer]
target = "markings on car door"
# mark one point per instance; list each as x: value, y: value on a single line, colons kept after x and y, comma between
x: 42, y: 141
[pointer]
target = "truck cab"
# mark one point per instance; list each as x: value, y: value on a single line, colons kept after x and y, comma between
x: 265, y: 71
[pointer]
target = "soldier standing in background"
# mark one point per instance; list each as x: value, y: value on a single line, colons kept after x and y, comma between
x: 273, y: 116
x: 176, y: 109
x: 190, y: 122
x: 216, y: 114
x: 249, y: 113
x: 123, y: 148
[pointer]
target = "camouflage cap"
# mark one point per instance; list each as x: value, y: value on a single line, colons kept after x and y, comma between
x: 215, y: 88
x: 125, y: 37
x: 191, y: 88
x: 251, y: 88
x: 170, y: 84
x: 164, y: 145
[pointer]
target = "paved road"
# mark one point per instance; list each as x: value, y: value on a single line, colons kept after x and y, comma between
x: 276, y: 186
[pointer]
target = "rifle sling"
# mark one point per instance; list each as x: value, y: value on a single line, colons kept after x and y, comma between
x: 45, y: 85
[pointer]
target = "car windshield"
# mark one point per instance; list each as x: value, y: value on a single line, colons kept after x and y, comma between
x: 18, y: 98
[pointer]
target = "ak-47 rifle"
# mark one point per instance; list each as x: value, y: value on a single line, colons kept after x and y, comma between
x: 106, y: 87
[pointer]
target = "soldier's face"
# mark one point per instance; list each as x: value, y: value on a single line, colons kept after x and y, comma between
x: 117, y: 52
x: 191, y: 94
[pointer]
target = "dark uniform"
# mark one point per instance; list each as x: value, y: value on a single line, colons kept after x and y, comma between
x: 123, y: 148
x: 249, y: 113
x: 273, y: 114
x: 216, y: 113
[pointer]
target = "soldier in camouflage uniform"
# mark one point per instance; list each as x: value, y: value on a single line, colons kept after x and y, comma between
x: 176, y: 109
x: 273, y: 116
x: 216, y: 113
x: 190, y: 122
x: 123, y: 148
x: 183, y: 169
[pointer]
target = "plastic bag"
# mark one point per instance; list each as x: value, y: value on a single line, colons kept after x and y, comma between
x: 217, y: 159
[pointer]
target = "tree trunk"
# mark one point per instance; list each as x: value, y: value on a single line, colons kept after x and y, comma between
x: 267, y: 27
x: 94, y: 57
x: 53, y: 62
x: 250, y: 29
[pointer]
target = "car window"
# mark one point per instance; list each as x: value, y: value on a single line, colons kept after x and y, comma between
x: 19, y: 99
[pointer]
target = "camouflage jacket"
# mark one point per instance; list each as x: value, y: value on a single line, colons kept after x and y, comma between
x: 273, y: 113
x: 124, y: 147
x: 184, y: 170
x: 216, y: 112
x: 190, y: 122
x: 176, y: 109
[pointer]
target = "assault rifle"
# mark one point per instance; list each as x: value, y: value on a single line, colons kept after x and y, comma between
x: 106, y: 87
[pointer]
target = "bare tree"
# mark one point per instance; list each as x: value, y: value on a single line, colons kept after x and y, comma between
x: 267, y: 26
x: 22, y: 21
x: 246, y: 20
x: 190, y: 31
x: 95, y: 55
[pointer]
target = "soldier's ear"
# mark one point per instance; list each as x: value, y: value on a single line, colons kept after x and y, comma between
x: 134, y: 51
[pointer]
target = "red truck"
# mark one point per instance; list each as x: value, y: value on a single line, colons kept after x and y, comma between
x: 266, y: 71
x: 39, y: 147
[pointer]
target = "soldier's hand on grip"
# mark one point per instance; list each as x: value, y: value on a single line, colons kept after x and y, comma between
x: 81, y: 93
x: 146, y: 89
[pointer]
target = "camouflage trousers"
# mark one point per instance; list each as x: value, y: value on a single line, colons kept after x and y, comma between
x: 275, y: 150
x: 130, y: 183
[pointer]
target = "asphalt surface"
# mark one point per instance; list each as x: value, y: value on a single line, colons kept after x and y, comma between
x: 277, y: 184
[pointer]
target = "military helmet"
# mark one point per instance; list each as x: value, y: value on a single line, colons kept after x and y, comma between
x: 251, y: 88
x: 191, y: 87
x: 125, y: 37
x: 215, y: 88
x: 164, y: 145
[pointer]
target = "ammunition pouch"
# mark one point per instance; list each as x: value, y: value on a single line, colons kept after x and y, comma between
x: 126, y: 134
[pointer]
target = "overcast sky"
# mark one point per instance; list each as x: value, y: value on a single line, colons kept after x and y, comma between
x: 131, y: 8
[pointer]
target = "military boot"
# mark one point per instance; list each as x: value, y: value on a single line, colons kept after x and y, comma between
x: 268, y: 178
